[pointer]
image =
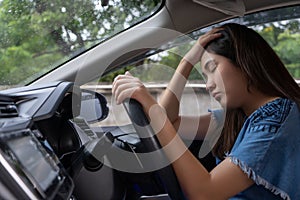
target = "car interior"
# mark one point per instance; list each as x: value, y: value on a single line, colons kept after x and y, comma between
x: 53, y: 142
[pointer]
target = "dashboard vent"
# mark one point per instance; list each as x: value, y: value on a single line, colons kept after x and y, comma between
x: 8, y: 109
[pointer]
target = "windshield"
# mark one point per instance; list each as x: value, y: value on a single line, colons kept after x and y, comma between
x: 37, y: 36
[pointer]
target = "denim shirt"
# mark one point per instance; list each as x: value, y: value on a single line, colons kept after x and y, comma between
x: 267, y: 149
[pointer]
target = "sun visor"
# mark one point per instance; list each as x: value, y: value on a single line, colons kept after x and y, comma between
x: 229, y: 7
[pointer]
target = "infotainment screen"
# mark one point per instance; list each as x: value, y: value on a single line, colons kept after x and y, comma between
x: 33, y: 163
x: 36, y: 163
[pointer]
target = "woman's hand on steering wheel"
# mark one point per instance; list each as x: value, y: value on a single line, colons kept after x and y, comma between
x: 127, y: 86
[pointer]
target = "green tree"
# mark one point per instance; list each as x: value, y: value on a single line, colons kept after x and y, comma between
x: 38, y: 35
x: 284, y: 38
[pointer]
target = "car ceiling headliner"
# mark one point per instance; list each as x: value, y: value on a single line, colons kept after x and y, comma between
x: 186, y: 15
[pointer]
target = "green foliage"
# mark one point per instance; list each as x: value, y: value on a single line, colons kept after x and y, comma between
x: 285, y: 40
x: 38, y: 35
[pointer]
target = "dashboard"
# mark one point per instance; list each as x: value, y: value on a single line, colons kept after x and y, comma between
x: 49, y: 151
x: 39, y: 138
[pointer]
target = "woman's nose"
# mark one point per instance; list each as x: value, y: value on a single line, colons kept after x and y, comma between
x: 210, y: 85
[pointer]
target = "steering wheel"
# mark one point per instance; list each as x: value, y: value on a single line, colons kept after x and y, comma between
x: 149, y: 140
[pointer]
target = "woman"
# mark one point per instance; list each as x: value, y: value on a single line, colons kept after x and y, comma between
x: 257, y: 152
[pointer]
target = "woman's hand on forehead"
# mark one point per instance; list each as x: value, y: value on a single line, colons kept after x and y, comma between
x: 209, y: 36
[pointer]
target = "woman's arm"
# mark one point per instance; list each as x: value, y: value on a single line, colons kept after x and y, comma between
x: 170, y: 99
x: 224, y: 181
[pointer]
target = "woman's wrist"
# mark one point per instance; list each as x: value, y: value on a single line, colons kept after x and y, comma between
x: 194, y: 55
x: 177, y: 84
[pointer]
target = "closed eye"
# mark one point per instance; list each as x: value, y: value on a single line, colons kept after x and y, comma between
x: 210, y: 66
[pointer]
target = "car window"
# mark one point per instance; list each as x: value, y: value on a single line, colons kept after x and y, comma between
x: 280, y: 27
x: 38, y: 36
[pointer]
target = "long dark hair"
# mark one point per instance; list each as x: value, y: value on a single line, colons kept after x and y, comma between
x: 261, y: 66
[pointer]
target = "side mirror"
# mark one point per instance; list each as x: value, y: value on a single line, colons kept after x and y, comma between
x: 93, y: 106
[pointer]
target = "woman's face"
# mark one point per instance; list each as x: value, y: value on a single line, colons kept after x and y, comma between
x: 225, y: 81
